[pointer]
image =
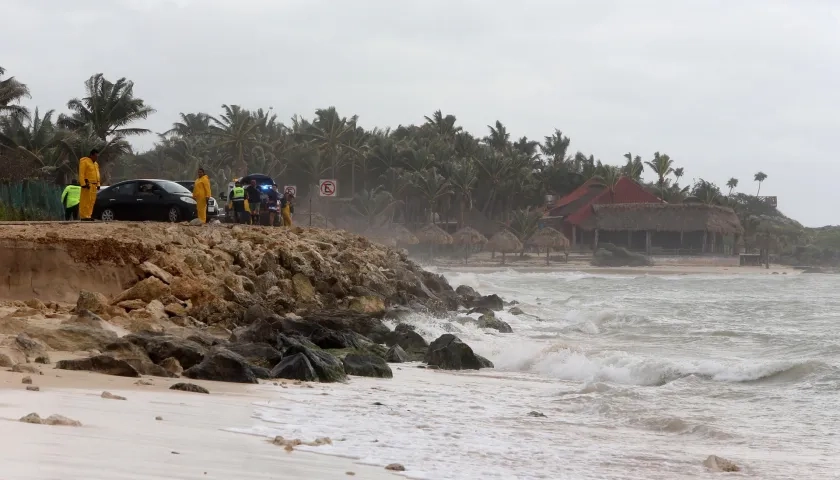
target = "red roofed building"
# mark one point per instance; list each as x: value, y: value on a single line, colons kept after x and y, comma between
x: 571, y: 212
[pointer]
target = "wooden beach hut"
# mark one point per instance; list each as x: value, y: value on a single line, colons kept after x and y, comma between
x: 549, y: 239
x: 506, y: 242
x: 468, y: 237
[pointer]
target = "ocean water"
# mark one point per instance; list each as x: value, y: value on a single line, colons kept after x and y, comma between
x: 639, y: 377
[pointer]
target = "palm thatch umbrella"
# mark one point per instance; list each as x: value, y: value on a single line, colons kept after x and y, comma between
x: 433, y: 235
x: 506, y: 242
x: 468, y: 237
x: 549, y: 238
x: 403, y: 235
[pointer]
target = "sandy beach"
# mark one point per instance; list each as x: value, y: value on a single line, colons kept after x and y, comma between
x: 123, y: 440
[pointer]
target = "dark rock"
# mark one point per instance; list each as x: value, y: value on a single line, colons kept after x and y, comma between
x: 100, y: 364
x: 493, y: 302
x: 189, y: 387
x: 287, y: 341
x: 136, y: 356
x: 404, y: 327
x: 485, y: 363
x: 411, y: 342
x: 516, y: 311
x: 365, y: 324
x: 257, y: 312
x: 29, y: 346
x: 468, y: 294
x: 43, y: 359
x: 494, y: 323
x: 366, y: 366
x: 295, y: 367
x: 449, y: 353
x: 483, y: 311
x: 327, y: 367
x: 260, y: 354
x: 398, y: 313
x: 264, y: 330
x: 397, y: 355
x: 206, y: 340
x: 222, y: 366
x: 536, y: 414
x: 261, y: 372
x: 161, y: 347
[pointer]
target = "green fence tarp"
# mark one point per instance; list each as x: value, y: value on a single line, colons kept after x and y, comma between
x: 30, y: 200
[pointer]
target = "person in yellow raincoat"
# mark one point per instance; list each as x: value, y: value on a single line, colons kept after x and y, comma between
x: 201, y: 192
x: 286, y: 208
x: 89, y: 181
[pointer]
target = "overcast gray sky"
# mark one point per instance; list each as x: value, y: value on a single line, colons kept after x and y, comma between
x: 725, y: 87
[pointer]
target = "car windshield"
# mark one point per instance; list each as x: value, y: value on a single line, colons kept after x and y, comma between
x: 173, y: 187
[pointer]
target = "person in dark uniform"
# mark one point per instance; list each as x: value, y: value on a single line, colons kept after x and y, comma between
x: 273, y: 197
x: 254, y: 194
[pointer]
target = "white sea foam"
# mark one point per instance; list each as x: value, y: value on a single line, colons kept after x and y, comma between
x: 640, y: 377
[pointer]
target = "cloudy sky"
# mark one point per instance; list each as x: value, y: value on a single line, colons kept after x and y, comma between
x: 725, y: 87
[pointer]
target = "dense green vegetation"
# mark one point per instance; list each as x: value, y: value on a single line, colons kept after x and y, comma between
x: 432, y: 171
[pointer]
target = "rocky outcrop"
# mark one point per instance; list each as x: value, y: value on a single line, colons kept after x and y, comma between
x: 73, y: 338
x: 92, y: 301
x: 325, y: 365
x: 135, y: 356
x: 222, y: 366
x: 491, y: 302
x: 100, y: 364
x: 172, y: 366
x: 494, y: 323
x: 448, y: 352
x: 396, y: 354
x: 718, y: 464
x: 259, y: 354
x: 295, y: 367
x: 366, y: 366
x: 148, y: 289
x: 160, y: 347
x: 409, y: 340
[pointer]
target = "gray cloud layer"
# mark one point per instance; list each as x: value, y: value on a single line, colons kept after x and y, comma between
x: 727, y: 88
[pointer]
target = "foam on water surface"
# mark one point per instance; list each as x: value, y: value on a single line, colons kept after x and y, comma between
x: 640, y: 377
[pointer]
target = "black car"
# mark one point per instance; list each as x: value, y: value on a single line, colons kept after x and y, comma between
x: 160, y: 200
x: 212, y: 205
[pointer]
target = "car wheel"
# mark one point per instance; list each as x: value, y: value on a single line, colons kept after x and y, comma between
x: 107, y: 215
x: 174, y: 214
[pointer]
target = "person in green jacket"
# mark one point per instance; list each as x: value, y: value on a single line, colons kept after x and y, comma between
x: 70, y: 199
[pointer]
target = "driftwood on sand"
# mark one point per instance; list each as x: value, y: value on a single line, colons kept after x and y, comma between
x: 506, y: 242
x: 550, y: 238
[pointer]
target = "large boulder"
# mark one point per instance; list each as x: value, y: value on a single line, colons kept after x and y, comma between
x: 396, y: 354
x: 222, y: 366
x: 494, y: 323
x: 326, y: 366
x: 100, y: 364
x: 152, y: 270
x: 295, y: 367
x: 369, y: 325
x: 92, y: 301
x: 73, y: 338
x: 134, y: 355
x: 448, y: 352
x: 366, y: 366
x: 304, y: 290
x: 468, y: 294
x: 492, y: 302
x: 161, y: 347
x: 30, y: 347
x: 333, y: 340
x: 369, y: 304
x: 260, y: 354
x: 148, y: 289
x: 411, y: 342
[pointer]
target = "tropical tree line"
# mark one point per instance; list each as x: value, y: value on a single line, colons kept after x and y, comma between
x: 434, y: 171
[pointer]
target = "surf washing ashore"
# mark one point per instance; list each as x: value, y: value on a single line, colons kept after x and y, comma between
x: 604, y: 376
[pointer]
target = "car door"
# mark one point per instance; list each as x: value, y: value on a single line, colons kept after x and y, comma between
x: 150, y: 201
x: 120, y: 199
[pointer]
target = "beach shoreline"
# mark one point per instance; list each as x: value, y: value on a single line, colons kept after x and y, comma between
x: 119, y: 438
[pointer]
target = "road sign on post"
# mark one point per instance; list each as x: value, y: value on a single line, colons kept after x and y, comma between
x: 328, y: 188
x: 290, y: 189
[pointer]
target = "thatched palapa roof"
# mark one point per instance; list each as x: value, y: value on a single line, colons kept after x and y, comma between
x: 548, y: 237
x: 403, y: 235
x: 432, y: 234
x: 665, y: 217
x: 468, y: 236
x: 505, y: 241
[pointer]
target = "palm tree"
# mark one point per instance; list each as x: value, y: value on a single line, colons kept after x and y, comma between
x: 662, y: 166
x: 732, y: 183
x: 332, y: 134
x: 443, y: 125
x: 432, y: 187
x: 463, y: 175
x: 760, y: 177
x: 499, y: 137
x: 524, y: 224
x: 678, y: 173
x: 235, y: 132
x: 191, y: 125
x: 634, y: 167
x: 107, y: 110
x: 11, y: 92
x: 555, y: 147
x: 375, y: 206
x: 609, y: 177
